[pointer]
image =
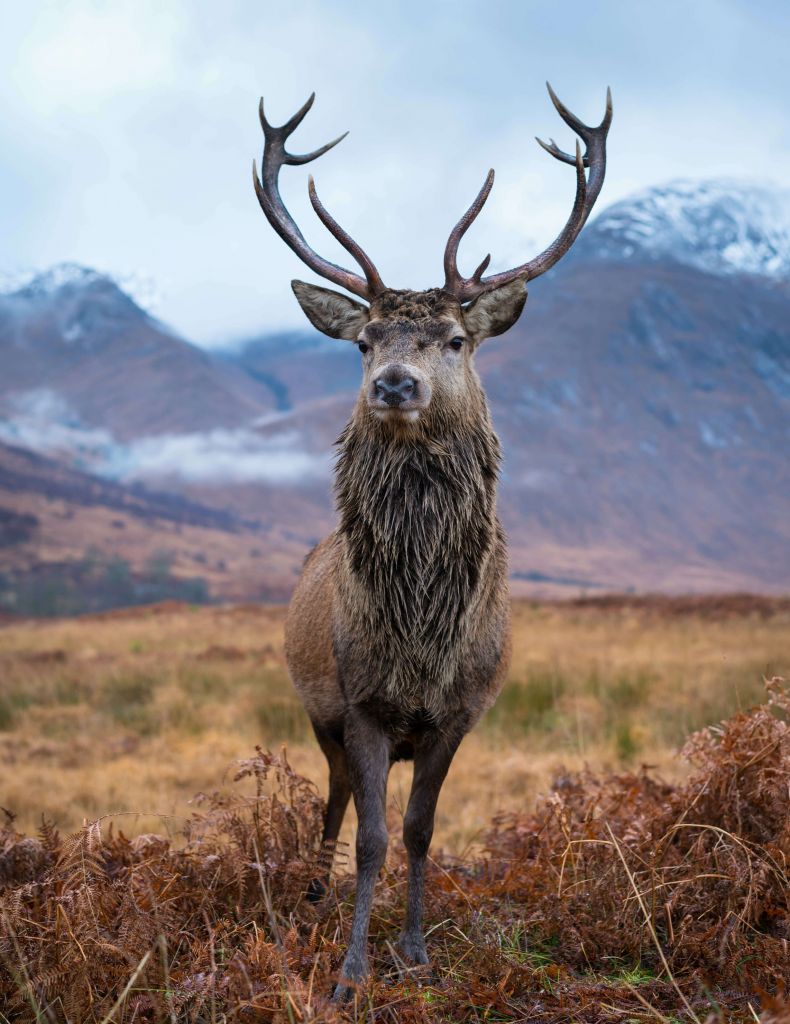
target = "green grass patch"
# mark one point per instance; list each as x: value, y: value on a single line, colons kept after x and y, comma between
x: 205, y: 684
x: 281, y: 720
x: 529, y: 705
x: 628, y: 974
x: 127, y: 700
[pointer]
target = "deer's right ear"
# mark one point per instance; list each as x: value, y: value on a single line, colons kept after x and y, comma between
x: 330, y: 312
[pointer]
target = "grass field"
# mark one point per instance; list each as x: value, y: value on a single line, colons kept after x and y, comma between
x: 138, y: 711
x: 620, y: 894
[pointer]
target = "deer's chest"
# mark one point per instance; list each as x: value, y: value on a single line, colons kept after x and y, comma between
x: 406, y: 609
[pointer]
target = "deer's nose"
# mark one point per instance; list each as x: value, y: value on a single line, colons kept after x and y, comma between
x: 395, y: 390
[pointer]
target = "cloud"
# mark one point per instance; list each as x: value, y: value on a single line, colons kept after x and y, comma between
x: 43, y: 421
x: 74, y: 50
x: 129, y: 129
x: 238, y: 456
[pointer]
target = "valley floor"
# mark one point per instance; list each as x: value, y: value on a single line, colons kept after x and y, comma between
x: 135, y: 712
x: 623, y: 893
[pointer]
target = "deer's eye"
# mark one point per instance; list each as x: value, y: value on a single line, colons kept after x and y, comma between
x: 363, y: 347
x: 457, y: 344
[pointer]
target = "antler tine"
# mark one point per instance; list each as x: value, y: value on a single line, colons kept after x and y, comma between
x: 587, y: 134
x: 293, y: 122
x: 570, y: 119
x: 290, y: 124
x: 594, y: 145
x: 452, y: 277
x: 277, y: 136
x: 552, y: 148
x: 587, y: 192
x: 268, y: 193
x: 482, y: 268
x: 348, y: 243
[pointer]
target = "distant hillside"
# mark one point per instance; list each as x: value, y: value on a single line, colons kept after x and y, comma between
x: 297, y: 365
x: 73, y: 542
x: 643, y: 401
x: 75, y: 335
x: 644, y: 413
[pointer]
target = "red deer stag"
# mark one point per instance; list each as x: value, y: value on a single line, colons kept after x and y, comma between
x: 398, y: 634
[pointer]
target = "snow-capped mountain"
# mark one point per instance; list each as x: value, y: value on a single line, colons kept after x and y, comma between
x: 72, y: 278
x: 642, y: 401
x: 86, y: 308
x: 77, y: 337
x: 719, y: 226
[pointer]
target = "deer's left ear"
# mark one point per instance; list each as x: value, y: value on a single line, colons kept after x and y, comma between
x: 495, y: 312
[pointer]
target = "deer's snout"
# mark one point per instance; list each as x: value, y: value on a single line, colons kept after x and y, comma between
x: 394, y: 392
x: 400, y: 387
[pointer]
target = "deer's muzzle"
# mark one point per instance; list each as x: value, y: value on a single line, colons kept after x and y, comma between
x: 398, y: 387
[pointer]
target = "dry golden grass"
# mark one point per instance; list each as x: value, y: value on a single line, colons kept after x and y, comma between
x: 139, y: 711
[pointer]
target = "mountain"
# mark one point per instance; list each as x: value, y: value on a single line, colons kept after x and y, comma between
x: 642, y: 398
x: 643, y: 410
x: 297, y: 364
x: 644, y: 413
x: 718, y: 226
x: 642, y: 401
x: 74, y: 341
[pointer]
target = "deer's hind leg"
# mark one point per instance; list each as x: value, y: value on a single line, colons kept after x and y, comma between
x: 336, y: 804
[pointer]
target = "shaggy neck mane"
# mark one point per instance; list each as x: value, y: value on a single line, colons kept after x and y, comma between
x: 418, y: 517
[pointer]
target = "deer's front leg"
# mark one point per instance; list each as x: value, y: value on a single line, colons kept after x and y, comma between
x: 432, y: 758
x: 367, y: 751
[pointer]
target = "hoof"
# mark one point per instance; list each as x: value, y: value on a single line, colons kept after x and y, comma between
x: 344, y: 993
x: 353, y: 975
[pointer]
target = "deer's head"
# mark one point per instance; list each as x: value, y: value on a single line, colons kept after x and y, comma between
x: 417, y: 346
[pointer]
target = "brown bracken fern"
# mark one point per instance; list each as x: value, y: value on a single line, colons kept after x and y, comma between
x: 618, y: 897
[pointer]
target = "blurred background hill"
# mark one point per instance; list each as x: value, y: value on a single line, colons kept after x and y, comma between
x: 642, y: 401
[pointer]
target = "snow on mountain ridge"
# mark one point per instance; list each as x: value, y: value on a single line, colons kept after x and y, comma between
x: 720, y: 226
x: 45, y: 284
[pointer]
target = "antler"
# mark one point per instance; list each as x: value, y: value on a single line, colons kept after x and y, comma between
x: 268, y: 192
x: 466, y: 288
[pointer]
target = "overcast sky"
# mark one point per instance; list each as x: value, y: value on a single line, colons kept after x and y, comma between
x: 128, y: 130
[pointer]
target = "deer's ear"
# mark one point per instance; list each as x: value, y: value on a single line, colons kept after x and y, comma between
x: 330, y: 312
x: 495, y: 312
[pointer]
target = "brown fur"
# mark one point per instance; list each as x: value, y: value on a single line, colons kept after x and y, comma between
x: 412, y: 585
x: 404, y: 304
x: 398, y: 634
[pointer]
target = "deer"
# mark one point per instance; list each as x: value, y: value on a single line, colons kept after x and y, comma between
x: 398, y: 634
